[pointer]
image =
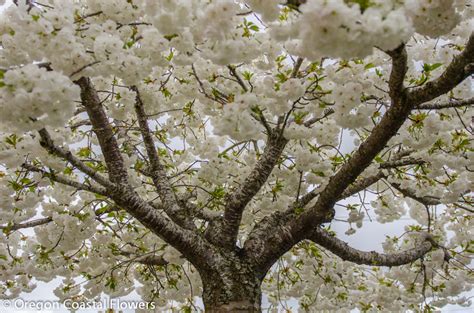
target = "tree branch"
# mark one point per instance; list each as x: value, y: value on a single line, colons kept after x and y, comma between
x: 154, y: 260
x: 459, y: 69
x: 314, y: 120
x: 147, y: 259
x: 425, y: 200
x: 293, y: 227
x: 65, y: 180
x: 445, y: 105
x: 360, y: 184
x: 296, y: 67
x: 46, y: 220
x: 397, y: 74
x: 401, y: 162
x: 104, y: 132
x: 234, y: 73
x: 409, y: 193
x: 47, y: 143
x: 158, y: 172
x: 236, y: 201
x: 189, y: 243
x: 347, y: 253
x: 33, y: 223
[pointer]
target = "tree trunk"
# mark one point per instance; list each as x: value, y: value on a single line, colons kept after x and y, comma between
x: 231, y: 290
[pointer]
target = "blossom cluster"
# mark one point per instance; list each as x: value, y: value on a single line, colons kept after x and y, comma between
x: 37, y: 98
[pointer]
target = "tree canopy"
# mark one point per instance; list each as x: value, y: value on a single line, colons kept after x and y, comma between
x: 204, y: 149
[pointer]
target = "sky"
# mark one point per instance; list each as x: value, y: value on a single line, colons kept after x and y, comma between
x: 369, y: 237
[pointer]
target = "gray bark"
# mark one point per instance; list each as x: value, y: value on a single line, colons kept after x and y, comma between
x: 234, y: 288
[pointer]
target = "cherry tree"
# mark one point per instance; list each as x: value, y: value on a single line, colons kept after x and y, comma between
x: 203, y: 149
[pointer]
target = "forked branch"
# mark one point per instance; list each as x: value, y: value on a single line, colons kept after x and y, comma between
x: 61, y: 179
x: 157, y: 170
x: 292, y: 227
x: 238, y: 200
x: 47, y: 143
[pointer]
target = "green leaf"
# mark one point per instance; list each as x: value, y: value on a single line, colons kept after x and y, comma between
x: 188, y: 109
x: 84, y: 152
x: 435, y: 66
x: 12, y: 140
x: 166, y: 93
x: 15, y: 186
x: 68, y: 171
x: 111, y: 282
x: 187, y: 309
x: 169, y: 37
x: 431, y: 67
x: 218, y: 192
x: 282, y: 77
x: 369, y: 66
x: 299, y: 117
x: 170, y: 56
x: 254, y: 28
x: 299, y: 210
x: 247, y: 75
x: 363, y: 4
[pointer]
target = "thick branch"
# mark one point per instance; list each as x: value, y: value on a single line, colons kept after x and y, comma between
x: 292, y: 227
x: 445, y: 105
x: 459, y: 69
x: 347, y: 253
x: 392, y: 120
x: 104, y: 132
x: 207, y: 214
x: 200, y: 213
x: 238, y: 200
x: 397, y: 75
x: 189, y: 243
x: 363, y: 183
